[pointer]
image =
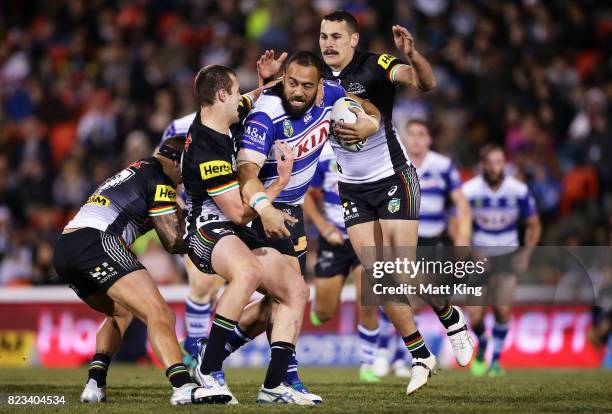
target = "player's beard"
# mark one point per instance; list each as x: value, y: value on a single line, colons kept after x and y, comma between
x: 493, y: 180
x: 295, y: 113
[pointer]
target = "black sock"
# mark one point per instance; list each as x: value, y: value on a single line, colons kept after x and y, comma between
x: 98, y: 368
x: 178, y: 375
x: 215, y: 349
x: 281, y: 355
x: 448, y: 315
x: 416, y: 345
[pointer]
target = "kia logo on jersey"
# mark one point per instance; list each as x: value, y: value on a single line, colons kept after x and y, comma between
x: 312, y: 141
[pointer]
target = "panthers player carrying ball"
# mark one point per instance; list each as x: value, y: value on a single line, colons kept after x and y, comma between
x: 381, y: 202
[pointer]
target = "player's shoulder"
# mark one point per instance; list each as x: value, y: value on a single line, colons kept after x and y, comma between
x: 515, y: 187
x: 269, y: 106
x: 439, y: 162
x: 332, y: 85
x: 473, y: 186
x: 179, y: 126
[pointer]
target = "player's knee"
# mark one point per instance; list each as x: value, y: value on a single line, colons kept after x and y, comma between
x: 161, y: 313
x: 250, y: 277
x: 300, y: 293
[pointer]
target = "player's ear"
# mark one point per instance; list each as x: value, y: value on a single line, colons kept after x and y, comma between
x: 222, y: 95
x: 354, y: 40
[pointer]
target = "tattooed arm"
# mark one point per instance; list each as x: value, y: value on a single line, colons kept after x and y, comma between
x: 170, y: 229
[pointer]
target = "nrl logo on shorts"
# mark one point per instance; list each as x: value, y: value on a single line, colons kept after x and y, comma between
x: 287, y: 128
x: 394, y: 205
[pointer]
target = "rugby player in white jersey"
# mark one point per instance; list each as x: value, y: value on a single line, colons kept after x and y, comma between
x: 499, y: 203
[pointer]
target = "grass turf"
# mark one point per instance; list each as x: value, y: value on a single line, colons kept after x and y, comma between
x: 144, y: 390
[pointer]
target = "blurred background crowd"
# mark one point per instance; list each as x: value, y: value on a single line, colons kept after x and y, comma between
x: 88, y: 86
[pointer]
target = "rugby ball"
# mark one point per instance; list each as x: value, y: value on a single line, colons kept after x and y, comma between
x: 340, y: 112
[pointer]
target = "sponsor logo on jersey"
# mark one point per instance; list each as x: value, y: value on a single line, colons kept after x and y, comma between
x: 392, y: 191
x: 356, y: 88
x: 137, y: 164
x: 311, y: 142
x: 287, y: 128
x: 98, y: 199
x: 308, y: 117
x: 256, y: 133
x: 350, y: 210
x: 103, y: 272
x: 187, y: 142
x: 165, y: 193
x: 212, y: 169
x: 394, y: 205
x: 385, y: 60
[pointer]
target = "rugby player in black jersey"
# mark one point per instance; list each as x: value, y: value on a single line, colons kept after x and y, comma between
x: 381, y: 199
x: 219, y: 241
x: 92, y: 256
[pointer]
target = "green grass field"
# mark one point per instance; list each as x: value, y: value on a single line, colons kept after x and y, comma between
x: 145, y: 390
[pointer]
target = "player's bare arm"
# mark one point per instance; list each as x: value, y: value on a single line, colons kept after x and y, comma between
x: 368, y: 122
x: 251, y: 187
x: 170, y: 229
x: 463, y: 234
x: 419, y: 75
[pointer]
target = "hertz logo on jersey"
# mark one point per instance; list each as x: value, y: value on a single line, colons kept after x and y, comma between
x: 165, y: 193
x: 385, y: 60
x: 98, y: 199
x: 212, y: 169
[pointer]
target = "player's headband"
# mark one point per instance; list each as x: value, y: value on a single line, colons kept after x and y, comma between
x: 170, y: 153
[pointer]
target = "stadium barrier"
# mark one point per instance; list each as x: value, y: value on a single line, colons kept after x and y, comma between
x: 51, y: 327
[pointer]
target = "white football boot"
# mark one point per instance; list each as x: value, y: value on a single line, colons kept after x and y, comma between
x: 301, y: 388
x: 283, y: 394
x: 191, y: 393
x: 422, y: 368
x: 215, y: 382
x: 92, y: 393
x: 381, y: 366
x: 461, y: 341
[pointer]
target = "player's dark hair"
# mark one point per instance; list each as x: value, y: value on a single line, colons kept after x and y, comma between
x: 210, y: 80
x: 417, y: 121
x: 342, y: 16
x: 305, y: 58
x: 489, y: 148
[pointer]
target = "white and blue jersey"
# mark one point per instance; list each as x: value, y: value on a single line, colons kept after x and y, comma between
x: 268, y: 122
x: 326, y: 179
x: 496, y: 214
x: 178, y: 127
x: 438, y: 177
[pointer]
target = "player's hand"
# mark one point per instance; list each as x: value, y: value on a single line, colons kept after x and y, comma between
x: 273, y: 221
x: 365, y: 127
x: 320, y: 94
x: 331, y: 234
x: 284, y: 156
x: 520, y: 261
x: 403, y: 40
x: 267, y: 66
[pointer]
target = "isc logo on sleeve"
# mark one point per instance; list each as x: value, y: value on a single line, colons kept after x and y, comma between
x: 385, y: 60
x: 212, y: 169
x: 98, y: 199
x: 165, y: 193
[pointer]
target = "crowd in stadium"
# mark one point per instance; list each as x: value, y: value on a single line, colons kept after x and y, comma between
x: 88, y: 86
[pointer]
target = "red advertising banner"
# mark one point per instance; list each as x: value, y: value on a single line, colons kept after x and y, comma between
x: 64, y: 334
